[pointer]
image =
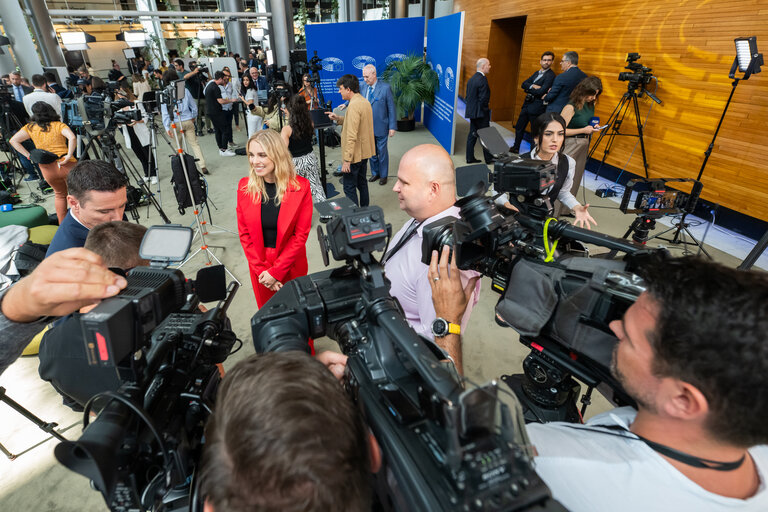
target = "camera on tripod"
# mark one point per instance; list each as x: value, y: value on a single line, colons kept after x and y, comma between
x: 143, y: 448
x: 654, y: 196
x: 638, y: 75
x: 171, y: 94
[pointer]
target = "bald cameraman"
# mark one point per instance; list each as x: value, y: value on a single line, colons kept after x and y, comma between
x: 693, y: 353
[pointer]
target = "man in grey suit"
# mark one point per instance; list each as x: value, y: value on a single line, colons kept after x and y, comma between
x: 558, y: 95
x: 379, y: 94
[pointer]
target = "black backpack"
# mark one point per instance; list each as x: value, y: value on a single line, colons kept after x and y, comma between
x: 180, y: 189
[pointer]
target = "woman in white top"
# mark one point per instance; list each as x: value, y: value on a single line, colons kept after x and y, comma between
x: 249, y: 97
x: 140, y: 86
x: 549, y: 135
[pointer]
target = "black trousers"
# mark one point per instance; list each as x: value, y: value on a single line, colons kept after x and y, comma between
x: 222, y: 130
x: 528, y: 114
x: 355, y: 180
x: 474, y: 125
x: 143, y: 153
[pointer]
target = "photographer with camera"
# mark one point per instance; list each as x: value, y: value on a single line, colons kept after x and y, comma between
x: 535, y: 87
x: 61, y: 284
x: 426, y: 191
x: 63, y: 361
x: 549, y: 137
x: 558, y: 95
x: 693, y: 355
x: 187, y: 107
x: 194, y: 81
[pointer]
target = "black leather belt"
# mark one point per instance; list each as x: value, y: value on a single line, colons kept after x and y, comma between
x: 579, y: 136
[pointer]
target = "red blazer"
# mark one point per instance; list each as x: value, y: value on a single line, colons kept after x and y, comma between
x: 293, y: 225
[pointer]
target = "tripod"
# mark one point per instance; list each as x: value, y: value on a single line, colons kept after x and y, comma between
x: 201, y: 225
x: 113, y: 152
x: 48, y: 428
x: 9, y: 123
x: 617, y: 118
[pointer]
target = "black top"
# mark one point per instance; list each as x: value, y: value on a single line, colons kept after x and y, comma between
x: 212, y: 94
x: 115, y: 75
x: 193, y: 85
x: 269, y: 213
x: 299, y: 146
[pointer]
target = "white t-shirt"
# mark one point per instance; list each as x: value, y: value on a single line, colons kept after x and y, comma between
x: 38, y: 95
x: 592, y: 472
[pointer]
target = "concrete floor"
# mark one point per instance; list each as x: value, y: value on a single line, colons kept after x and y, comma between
x: 35, y: 481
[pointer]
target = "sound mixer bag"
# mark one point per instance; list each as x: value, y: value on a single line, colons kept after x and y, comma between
x: 180, y: 185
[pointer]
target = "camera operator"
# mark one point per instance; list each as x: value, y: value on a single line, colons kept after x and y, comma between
x: 187, y: 107
x: 285, y: 436
x: 535, y: 87
x: 41, y: 92
x: 214, y: 103
x: 97, y: 193
x: 426, y: 191
x: 194, y: 81
x: 58, y: 286
x: 63, y: 361
x: 693, y: 354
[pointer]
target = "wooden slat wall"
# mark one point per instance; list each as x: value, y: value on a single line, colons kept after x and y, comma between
x: 689, y: 46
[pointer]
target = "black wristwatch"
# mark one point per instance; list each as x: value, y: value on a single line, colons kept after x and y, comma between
x: 442, y: 328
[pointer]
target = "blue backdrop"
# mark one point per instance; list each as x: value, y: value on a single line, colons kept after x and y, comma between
x: 444, y: 37
x: 348, y: 47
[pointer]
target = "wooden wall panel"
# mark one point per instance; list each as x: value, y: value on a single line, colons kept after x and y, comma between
x: 689, y: 46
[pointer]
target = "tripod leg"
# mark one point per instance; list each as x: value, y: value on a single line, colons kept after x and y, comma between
x: 640, y: 133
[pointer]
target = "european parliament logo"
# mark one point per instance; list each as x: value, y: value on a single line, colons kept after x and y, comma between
x: 450, y: 79
x: 361, y: 61
x: 332, y: 64
x: 393, y: 57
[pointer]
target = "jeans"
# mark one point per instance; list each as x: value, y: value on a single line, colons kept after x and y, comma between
x: 380, y: 161
x: 355, y: 180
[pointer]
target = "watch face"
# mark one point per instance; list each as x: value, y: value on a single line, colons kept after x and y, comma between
x: 439, y: 327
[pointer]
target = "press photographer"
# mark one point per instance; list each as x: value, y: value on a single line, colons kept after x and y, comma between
x: 692, y: 354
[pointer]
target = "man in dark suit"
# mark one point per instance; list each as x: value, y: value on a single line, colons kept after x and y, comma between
x: 558, y: 95
x: 535, y: 87
x: 478, y: 111
x: 379, y: 95
x: 52, y: 82
x: 18, y: 91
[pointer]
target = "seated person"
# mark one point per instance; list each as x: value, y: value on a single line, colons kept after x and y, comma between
x: 693, y: 353
x: 58, y: 286
x: 63, y: 360
x: 285, y: 436
x: 96, y: 194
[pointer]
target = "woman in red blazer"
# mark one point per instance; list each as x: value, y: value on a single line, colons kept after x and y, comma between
x: 274, y: 215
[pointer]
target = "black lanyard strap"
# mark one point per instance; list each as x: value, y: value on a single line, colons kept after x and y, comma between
x: 685, y: 458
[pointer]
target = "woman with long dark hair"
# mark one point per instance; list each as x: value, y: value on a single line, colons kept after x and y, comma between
x: 549, y: 134
x: 297, y: 135
x: 250, y: 97
x: 578, y: 115
x: 274, y: 216
x: 49, y: 134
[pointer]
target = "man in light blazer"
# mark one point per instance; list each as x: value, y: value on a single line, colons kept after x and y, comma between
x: 478, y: 110
x: 357, y: 141
x: 379, y: 95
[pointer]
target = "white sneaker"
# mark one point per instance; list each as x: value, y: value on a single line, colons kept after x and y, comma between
x: 226, y: 153
x: 154, y: 180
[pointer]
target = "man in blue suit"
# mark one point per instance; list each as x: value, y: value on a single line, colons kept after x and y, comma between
x: 558, y: 95
x: 379, y: 94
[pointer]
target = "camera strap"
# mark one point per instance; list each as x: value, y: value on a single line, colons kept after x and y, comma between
x: 685, y: 458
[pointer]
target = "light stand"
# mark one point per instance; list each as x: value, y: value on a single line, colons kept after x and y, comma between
x: 748, y: 61
x: 201, y: 225
x: 47, y: 427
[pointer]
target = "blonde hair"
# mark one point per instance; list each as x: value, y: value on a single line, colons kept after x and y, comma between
x: 285, y: 174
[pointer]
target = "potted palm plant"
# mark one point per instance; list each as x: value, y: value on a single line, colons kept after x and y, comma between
x: 412, y: 82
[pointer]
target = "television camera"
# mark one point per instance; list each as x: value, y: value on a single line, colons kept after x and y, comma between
x: 142, y: 450
x: 638, y: 76
x: 446, y: 448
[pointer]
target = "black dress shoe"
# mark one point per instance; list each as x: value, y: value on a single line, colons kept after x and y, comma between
x: 372, y: 179
x: 210, y: 130
x: 383, y: 181
x: 473, y: 161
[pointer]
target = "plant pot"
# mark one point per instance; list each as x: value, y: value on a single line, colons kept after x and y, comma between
x: 406, y: 125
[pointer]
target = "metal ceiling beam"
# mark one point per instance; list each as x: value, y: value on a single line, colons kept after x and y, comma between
x: 174, y: 15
